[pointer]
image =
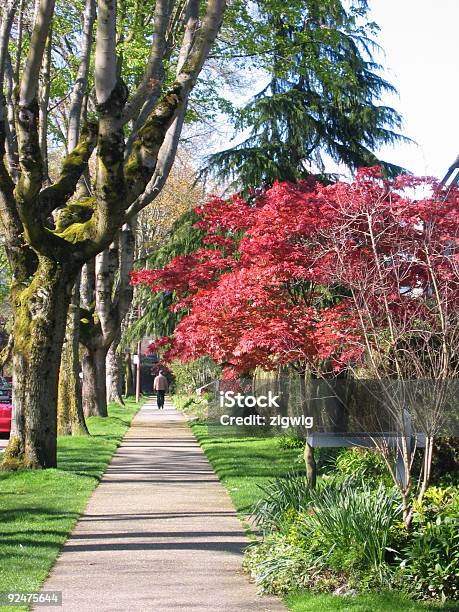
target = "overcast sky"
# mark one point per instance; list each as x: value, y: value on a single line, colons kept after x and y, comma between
x: 421, y: 41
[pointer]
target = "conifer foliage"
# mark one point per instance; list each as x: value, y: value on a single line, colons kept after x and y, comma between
x: 323, y: 96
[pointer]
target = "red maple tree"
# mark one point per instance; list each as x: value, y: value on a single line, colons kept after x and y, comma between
x: 317, y: 275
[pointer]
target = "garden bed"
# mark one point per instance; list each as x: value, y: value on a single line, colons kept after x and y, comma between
x: 372, y: 561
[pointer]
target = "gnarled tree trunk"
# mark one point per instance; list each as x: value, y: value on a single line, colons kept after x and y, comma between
x: 40, y: 311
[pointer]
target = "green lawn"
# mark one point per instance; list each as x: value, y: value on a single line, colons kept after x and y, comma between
x: 39, y: 508
x: 371, y: 602
x: 243, y: 464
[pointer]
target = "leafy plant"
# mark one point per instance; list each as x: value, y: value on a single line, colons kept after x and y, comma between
x: 290, y: 441
x: 279, y: 497
x: 354, y: 522
x: 361, y: 463
x: 192, y: 406
x: 431, y: 562
x: 430, y: 559
x: 278, y: 566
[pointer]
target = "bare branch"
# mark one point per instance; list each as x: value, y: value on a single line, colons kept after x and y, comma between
x: 150, y: 86
x: 30, y: 78
x: 105, y: 60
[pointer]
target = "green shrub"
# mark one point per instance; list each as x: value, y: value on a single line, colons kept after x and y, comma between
x: 279, y: 497
x: 344, y: 528
x: 287, y: 442
x: 351, y: 521
x: 445, y: 463
x: 278, y: 566
x: 430, y: 558
x: 361, y: 463
x: 193, y: 374
x: 350, y: 533
x: 354, y: 522
x: 191, y: 405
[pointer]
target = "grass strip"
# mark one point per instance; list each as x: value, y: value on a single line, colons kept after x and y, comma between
x: 245, y: 464
x: 38, y: 509
x: 368, y: 602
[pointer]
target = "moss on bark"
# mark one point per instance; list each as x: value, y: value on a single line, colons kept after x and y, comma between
x: 77, y: 212
x: 78, y: 232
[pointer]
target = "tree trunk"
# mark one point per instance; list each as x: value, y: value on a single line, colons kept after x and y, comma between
x: 107, y: 295
x: 309, y: 459
x: 115, y: 372
x: 128, y: 376
x: 70, y: 416
x: 311, y: 466
x: 40, y: 311
x: 94, y: 385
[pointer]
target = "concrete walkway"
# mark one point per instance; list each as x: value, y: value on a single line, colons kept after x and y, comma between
x: 159, y: 533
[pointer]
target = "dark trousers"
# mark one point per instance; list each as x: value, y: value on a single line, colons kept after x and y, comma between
x: 160, y: 398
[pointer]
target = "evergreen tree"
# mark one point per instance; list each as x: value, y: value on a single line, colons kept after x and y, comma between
x: 158, y: 319
x: 322, y: 98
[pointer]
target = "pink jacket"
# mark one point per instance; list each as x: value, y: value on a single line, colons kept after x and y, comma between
x: 160, y: 383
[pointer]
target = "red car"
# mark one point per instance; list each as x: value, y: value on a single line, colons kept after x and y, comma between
x: 5, y: 418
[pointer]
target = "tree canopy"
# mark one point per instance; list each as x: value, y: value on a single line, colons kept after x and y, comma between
x: 322, y: 99
x: 351, y: 275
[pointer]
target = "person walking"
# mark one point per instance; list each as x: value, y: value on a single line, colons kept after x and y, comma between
x: 161, y: 386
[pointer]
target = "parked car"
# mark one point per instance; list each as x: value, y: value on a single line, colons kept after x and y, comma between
x: 5, y: 418
x: 6, y: 391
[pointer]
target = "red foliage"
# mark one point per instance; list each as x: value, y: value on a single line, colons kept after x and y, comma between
x: 257, y: 296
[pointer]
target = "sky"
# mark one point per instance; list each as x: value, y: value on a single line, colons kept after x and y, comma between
x: 421, y: 43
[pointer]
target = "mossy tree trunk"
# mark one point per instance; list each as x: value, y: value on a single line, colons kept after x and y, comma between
x: 70, y: 416
x: 40, y: 310
x: 70, y: 404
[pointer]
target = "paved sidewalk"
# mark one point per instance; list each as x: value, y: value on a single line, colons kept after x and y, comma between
x: 159, y: 533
